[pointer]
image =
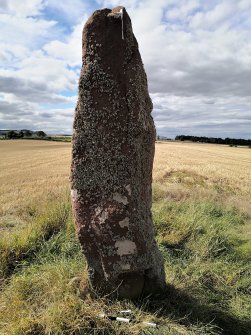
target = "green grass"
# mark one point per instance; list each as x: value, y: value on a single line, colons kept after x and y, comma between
x: 59, y: 138
x: 22, y: 244
x: 203, y: 257
x: 44, y: 287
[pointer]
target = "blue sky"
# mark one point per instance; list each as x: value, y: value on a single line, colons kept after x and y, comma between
x: 197, y: 56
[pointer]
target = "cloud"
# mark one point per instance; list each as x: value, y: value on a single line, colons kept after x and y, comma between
x: 19, y: 108
x: 196, y: 55
x: 19, y: 115
x: 27, y: 90
x: 22, y: 8
x: 35, y: 82
x: 222, y: 117
x: 72, y: 11
x: 25, y: 31
x: 69, y: 50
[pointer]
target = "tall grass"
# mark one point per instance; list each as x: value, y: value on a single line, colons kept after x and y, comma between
x: 22, y: 245
x: 45, y: 290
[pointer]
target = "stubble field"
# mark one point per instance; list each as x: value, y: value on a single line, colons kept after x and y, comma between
x: 201, y: 210
x: 33, y: 170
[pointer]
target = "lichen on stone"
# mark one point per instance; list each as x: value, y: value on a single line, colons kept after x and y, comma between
x: 112, y: 158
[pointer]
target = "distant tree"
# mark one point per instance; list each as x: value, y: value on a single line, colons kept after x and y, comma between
x: 41, y: 133
x: 27, y: 133
x: 204, y: 139
x: 12, y: 134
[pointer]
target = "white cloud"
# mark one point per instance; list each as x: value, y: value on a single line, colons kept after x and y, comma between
x: 30, y: 76
x: 69, y: 50
x: 220, y: 13
x: 73, y: 11
x: 196, y: 55
x: 244, y: 4
x: 218, y: 117
x: 50, y: 71
x: 24, y: 31
x: 23, y: 8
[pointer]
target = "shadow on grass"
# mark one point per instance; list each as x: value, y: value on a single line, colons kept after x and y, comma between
x: 177, y: 304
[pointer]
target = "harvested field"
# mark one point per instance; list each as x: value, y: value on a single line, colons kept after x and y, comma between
x: 202, y: 216
x: 39, y: 169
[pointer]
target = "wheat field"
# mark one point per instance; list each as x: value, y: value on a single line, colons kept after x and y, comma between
x: 229, y: 166
x: 34, y: 171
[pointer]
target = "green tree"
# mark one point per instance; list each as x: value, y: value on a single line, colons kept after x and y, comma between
x: 27, y: 133
x: 12, y: 134
x: 41, y: 133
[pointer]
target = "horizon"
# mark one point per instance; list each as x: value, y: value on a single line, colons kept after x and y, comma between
x: 157, y: 135
x: 196, y: 57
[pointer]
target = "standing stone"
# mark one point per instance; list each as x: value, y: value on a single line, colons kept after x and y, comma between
x: 112, y: 159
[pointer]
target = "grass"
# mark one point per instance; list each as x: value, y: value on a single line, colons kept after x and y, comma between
x: 59, y: 138
x: 21, y: 245
x: 202, y: 228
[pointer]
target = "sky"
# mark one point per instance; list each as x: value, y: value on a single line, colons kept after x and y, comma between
x: 196, y: 53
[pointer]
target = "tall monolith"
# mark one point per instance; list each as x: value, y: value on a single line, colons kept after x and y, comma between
x: 112, y: 159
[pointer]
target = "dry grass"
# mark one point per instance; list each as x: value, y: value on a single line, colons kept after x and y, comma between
x: 211, y: 169
x: 220, y: 164
x: 31, y: 172
x: 202, y: 234
x: 35, y: 172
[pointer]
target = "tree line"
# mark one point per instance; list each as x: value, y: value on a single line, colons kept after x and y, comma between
x: 12, y: 134
x: 33, y: 135
x: 218, y: 140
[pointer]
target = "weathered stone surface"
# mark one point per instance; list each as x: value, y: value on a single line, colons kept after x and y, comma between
x: 112, y: 158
